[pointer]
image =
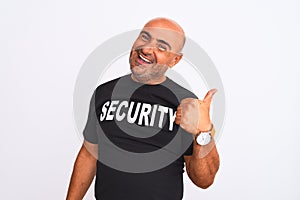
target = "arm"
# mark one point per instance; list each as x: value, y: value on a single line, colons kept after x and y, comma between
x: 203, y: 164
x: 83, y: 172
x: 193, y: 116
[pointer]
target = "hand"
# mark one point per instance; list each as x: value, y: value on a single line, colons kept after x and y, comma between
x: 193, y: 114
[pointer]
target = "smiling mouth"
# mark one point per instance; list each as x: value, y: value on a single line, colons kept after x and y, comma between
x: 143, y: 59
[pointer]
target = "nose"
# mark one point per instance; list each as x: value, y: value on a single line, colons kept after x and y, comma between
x: 148, y: 47
x: 147, y: 50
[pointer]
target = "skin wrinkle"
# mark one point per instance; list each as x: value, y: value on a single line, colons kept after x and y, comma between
x: 157, y: 30
x: 203, y: 164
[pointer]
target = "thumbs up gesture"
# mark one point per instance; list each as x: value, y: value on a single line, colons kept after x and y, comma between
x: 193, y: 114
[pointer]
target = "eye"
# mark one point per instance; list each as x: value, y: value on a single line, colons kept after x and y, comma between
x: 145, y: 37
x: 162, y: 47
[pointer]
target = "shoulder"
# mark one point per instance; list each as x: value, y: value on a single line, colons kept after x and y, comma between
x: 179, y: 90
x: 109, y: 85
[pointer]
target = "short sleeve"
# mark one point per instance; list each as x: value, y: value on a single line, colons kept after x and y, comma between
x: 187, y: 142
x: 90, y: 131
x: 189, y: 151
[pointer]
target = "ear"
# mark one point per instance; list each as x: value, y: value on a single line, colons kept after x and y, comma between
x: 176, y: 59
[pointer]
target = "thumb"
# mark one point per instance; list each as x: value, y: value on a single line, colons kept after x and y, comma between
x: 209, y: 95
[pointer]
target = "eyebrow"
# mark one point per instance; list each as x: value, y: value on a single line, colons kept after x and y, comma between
x: 158, y: 40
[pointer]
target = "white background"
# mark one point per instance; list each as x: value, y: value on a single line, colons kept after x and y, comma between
x: 254, y: 45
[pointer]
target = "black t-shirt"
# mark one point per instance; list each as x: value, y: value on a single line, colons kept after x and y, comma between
x: 136, y: 118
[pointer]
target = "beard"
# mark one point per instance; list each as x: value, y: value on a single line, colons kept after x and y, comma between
x: 146, y: 72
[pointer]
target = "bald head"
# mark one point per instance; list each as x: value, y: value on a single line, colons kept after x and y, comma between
x: 165, y: 23
x: 156, y: 49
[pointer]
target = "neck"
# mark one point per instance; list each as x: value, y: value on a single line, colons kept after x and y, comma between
x: 149, y: 82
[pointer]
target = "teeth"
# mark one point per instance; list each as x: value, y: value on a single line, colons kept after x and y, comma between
x: 145, y: 59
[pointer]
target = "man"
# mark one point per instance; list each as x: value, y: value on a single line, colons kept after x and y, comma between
x: 152, y: 105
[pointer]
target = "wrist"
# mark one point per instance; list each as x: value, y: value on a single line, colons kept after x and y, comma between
x: 207, y: 127
x: 204, y: 127
x: 205, y: 137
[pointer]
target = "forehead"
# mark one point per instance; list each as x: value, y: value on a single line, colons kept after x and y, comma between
x: 172, y: 37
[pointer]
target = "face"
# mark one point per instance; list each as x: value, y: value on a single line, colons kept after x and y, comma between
x: 153, y: 52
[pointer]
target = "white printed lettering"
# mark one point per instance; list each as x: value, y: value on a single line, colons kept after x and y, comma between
x: 145, y: 111
x: 162, y: 110
x: 132, y: 119
x: 172, y: 118
x: 104, y: 110
x: 112, y: 108
x: 118, y: 116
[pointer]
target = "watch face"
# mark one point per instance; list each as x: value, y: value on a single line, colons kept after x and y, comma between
x: 203, y: 138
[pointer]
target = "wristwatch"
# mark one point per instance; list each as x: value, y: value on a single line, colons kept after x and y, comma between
x: 205, y: 137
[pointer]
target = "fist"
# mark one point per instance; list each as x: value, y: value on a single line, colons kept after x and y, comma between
x: 193, y: 114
